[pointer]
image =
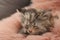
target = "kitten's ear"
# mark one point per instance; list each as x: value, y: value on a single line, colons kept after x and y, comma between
x: 20, y: 13
x: 48, y: 12
x: 56, y: 17
x: 22, y: 17
x: 22, y: 10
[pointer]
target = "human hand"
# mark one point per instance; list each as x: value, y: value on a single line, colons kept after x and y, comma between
x: 10, y: 26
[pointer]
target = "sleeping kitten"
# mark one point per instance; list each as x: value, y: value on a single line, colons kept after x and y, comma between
x: 36, y: 22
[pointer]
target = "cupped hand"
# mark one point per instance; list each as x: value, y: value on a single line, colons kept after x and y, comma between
x: 10, y: 26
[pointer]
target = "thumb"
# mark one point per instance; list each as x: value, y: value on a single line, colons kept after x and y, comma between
x: 10, y: 24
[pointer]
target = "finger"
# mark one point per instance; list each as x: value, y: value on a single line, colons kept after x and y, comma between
x: 36, y: 37
x: 11, y: 36
x: 46, y: 36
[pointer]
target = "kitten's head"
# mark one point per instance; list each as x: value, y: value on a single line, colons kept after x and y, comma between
x: 36, y: 22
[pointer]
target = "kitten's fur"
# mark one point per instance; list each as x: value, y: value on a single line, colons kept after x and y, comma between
x: 36, y: 22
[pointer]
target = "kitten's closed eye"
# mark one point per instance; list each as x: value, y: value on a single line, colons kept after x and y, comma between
x: 26, y: 26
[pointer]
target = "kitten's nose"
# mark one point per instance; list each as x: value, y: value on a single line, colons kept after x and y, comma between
x: 30, y: 31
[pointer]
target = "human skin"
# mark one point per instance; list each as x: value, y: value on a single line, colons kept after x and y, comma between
x: 9, y: 26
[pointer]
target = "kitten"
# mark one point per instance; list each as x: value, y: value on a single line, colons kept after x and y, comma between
x: 36, y: 22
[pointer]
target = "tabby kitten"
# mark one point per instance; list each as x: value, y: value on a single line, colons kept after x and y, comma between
x: 36, y: 22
